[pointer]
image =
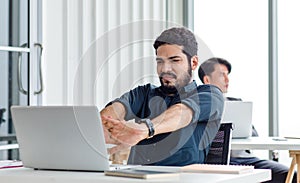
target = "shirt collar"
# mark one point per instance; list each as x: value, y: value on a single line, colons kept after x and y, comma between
x: 190, y: 87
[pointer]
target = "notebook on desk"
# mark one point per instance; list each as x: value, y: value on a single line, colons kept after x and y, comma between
x: 239, y: 113
x: 61, y: 138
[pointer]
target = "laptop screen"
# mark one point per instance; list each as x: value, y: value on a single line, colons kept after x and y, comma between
x: 60, y: 137
x: 239, y: 113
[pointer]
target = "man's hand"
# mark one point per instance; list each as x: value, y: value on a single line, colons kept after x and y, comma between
x: 123, y: 134
x: 118, y: 148
x: 107, y: 134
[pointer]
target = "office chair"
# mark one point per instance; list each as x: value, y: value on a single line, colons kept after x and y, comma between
x: 219, y: 152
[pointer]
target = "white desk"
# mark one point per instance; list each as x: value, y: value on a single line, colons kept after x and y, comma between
x: 268, y: 143
x: 265, y: 143
x: 26, y: 175
x: 9, y: 146
x: 9, y: 137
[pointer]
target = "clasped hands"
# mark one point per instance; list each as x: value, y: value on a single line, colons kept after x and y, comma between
x: 123, y: 134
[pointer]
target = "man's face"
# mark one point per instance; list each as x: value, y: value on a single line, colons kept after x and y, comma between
x: 173, y: 68
x: 219, y: 77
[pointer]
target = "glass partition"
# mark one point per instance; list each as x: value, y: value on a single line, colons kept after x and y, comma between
x: 14, y: 65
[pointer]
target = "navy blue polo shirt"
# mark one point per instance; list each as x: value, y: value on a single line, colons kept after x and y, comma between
x: 184, y: 146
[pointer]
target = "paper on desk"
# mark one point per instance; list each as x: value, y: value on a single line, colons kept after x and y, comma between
x: 292, y: 137
x: 10, y: 164
x: 214, y: 168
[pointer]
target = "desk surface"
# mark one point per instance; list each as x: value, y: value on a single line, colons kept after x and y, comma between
x: 266, y: 143
x: 9, y: 146
x: 26, y: 175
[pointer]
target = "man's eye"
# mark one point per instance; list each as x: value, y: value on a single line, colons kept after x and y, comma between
x: 158, y: 60
x: 175, y: 60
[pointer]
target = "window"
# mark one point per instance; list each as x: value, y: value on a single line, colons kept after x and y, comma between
x: 20, y: 51
x: 288, y: 69
x: 238, y: 32
x: 288, y: 66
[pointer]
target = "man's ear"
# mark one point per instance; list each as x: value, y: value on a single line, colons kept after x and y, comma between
x: 206, y: 79
x: 194, y: 62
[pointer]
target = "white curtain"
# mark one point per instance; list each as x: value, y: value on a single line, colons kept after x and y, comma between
x: 94, y: 50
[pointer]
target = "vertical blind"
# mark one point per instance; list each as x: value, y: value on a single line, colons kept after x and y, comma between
x: 95, y: 50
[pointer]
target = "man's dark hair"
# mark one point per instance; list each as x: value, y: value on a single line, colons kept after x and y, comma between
x: 180, y: 36
x: 207, y: 67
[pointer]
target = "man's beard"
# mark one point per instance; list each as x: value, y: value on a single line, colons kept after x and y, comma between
x: 178, y: 85
x: 167, y: 89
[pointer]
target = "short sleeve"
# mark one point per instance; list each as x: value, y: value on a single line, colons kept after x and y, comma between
x: 207, y: 104
x: 134, y: 100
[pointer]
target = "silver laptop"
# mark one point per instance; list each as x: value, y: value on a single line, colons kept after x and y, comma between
x: 240, y: 114
x: 61, y: 137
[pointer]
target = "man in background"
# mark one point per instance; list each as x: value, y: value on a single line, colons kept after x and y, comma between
x: 215, y: 71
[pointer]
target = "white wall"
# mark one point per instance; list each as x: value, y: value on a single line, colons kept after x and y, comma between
x: 94, y: 50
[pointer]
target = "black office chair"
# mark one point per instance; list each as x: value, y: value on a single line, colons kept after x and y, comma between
x: 219, y: 152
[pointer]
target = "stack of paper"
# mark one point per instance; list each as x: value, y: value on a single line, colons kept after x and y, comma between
x: 142, y: 174
x: 209, y: 168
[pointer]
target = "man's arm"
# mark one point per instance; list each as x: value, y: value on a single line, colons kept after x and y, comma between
x: 174, y: 118
x: 116, y: 111
x: 127, y: 134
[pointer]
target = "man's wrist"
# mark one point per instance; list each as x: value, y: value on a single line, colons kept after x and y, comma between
x: 149, y: 125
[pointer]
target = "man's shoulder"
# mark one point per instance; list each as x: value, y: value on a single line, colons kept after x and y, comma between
x: 208, y: 88
x: 147, y: 86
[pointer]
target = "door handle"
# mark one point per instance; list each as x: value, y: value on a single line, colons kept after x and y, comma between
x: 40, y: 69
x: 19, y: 78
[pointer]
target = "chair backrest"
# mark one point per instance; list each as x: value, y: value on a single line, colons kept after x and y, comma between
x: 219, y: 152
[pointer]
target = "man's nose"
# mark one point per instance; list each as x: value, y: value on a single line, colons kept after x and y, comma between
x: 226, y: 78
x: 167, y: 67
